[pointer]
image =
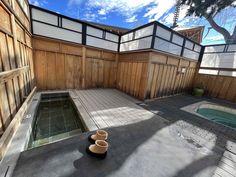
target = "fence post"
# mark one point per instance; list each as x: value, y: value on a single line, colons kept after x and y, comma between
x: 84, y: 31
x: 83, y: 66
x: 201, y: 54
x: 154, y: 35
x: 182, y: 50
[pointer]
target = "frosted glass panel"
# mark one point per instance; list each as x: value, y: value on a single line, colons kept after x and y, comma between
x: 208, y: 71
x: 127, y: 37
x: 137, y: 44
x: 177, y: 39
x: 71, y: 25
x: 189, y: 44
x: 197, y: 48
x: 147, y: 31
x: 190, y: 54
x: 55, y: 32
x: 100, y: 43
x: 227, y: 73
x: 219, y: 48
x: 163, y: 33
x: 167, y: 46
x: 112, y: 37
x: 232, y: 48
x: 94, y: 32
x: 210, y: 60
x: 44, y: 17
x: 221, y: 60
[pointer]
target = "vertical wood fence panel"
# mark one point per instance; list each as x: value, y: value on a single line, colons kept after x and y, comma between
x: 223, y: 87
x: 15, y: 53
x: 59, y: 65
x: 132, y: 73
x: 165, y: 77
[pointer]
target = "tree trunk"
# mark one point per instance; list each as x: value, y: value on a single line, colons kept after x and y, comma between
x: 221, y: 30
x: 233, y: 36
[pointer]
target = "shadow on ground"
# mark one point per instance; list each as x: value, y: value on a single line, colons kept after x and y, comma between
x: 150, y: 148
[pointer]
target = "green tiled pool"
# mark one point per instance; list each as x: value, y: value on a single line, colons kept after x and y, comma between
x: 56, y: 119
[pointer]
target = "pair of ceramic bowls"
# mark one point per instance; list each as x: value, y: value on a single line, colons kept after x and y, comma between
x: 100, y: 146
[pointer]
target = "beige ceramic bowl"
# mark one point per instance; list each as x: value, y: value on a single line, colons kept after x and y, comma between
x: 100, y: 147
x: 100, y: 135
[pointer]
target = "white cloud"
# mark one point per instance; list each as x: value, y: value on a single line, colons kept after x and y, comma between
x: 131, y: 19
x: 182, y: 20
x: 36, y: 3
x: 161, y: 10
x: 129, y: 8
x: 90, y: 17
x: 74, y: 2
x: 214, y: 38
x: 39, y: 3
x: 102, y: 12
x: 103, y: 18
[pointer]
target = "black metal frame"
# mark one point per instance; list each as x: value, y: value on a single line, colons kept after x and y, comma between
x: 153, y: 35
x: 182, y: 46
x: 68, y: 18
x: 83, y: 24
x: 172, y: 33
x: 60, y: 26
x: 225, y: 50
x: 143, y: 37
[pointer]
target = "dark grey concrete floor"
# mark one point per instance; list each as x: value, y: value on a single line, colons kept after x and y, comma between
x: 180, y: 145
x: 170, y: 109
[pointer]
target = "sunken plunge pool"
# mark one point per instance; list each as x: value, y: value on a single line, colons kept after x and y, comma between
x: 56, y: 119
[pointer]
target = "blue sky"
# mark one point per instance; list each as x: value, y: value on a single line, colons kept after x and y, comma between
x: 133, y: 13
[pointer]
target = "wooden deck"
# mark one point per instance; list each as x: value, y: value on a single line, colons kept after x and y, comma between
x: 101, y: 108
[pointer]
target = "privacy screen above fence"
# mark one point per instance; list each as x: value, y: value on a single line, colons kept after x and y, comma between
x: 56, y: 26
x: 219, y: 60
x: 137, y: 39
x: 150, y: 36
x: 170, y: 41
x: 159, y: 37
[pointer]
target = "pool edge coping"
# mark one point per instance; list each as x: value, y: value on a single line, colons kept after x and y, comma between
x: 19, y: 144
x: 192, y: 109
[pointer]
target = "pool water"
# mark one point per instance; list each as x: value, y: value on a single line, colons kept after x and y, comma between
x: 218, y: 116
x: 56, y: 119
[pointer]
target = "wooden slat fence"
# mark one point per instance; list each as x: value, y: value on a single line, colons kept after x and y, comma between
x: 150, y: 75
x: 60, y: 65
x: 223, y: 87
x: 16, y: 64
x: 132, y: 73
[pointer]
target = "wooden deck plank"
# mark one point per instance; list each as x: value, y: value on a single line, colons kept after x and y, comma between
x: 88, y: 103
x: 80, y: 99
x: 121, y: 112
x: 107, y: 110
x: 109, y: 107
x: 99, y: 108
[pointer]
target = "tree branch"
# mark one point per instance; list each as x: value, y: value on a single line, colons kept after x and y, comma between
x: 219, y: 29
